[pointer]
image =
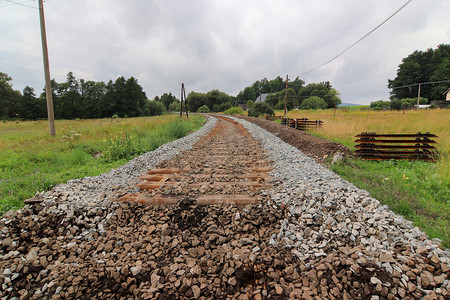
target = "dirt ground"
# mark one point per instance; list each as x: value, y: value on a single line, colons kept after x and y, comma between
x: 315, y: 147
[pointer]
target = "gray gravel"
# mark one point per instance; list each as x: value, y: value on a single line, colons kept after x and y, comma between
x: 343, y: 214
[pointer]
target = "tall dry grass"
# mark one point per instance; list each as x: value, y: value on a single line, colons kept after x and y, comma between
x: 343, y: 126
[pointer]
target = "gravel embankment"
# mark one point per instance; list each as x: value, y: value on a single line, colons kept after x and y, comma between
x: 318, y: 236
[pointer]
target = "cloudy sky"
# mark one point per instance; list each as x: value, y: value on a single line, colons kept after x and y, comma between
x: 220, y: 44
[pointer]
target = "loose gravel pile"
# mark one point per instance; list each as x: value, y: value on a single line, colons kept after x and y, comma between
x: 315, y: 236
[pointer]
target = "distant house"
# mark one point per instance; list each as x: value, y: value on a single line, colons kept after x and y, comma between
x: 442, y: 103
x: 261, y: 98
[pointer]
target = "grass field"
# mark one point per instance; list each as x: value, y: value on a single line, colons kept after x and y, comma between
x: 32, y: 160
x: 420, y: 191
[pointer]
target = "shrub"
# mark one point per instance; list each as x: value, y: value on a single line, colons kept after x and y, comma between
x: 260, y: 109
x: 234, y: 111
x: 314, y: 102
x: 380, y: 105
x: 156, y: 108
x: 203, y: 109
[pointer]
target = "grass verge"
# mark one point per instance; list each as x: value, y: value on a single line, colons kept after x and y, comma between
x: 33, y: 161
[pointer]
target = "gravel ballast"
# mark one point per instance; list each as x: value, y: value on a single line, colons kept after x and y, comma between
x: 317, y: 235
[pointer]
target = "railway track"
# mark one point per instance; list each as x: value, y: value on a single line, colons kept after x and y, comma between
x: 227, y: 166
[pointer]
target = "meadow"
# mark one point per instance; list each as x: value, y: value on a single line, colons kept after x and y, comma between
x: 31, y: 160
x: 420, y: 191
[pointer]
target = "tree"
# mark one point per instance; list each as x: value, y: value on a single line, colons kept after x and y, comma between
x: 380, y: 105
x: 314, y: 102
x: 421, y: 67
x: 168, y: 99
x: 9, y: 98
x: 407, y: 103
x: 260, y: 108
x: 30, y: 107
x: 155, y: 108
x: 203, y: 109
x: 323, y: 90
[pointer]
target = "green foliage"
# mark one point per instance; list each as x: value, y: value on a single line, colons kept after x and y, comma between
x: 264, y: 86
x: 380, y: 105
x: 407, y: 103
x: 167, y: 99
x: 323, y: 90
x: 276, y: 100
x: 422, y: 66
x: 203, y: 109
x: 412, y: 189
x: 75, y: 99
x: 250, y: 104
x: 313, y: 102
x: 234, y: 111
x: 260, y: 108
x: 175, y: 106
x: 155, y: 108
x: 215, y: 100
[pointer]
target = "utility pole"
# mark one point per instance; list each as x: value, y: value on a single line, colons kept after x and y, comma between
x: 48, y: 85
x: 185, y: 102
x: 285, y: 97
x: 181, y: 107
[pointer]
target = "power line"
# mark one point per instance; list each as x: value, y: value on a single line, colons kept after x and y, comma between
x: 19, y: 3
x: 422, y: 83
x: 28, y: 69
x: 352, y: 45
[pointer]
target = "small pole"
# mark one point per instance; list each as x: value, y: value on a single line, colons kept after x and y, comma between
x: 334, y: 107
x: 48, y: 84
x: 285, y: 97
x: 404, y: 108
x: 181, y: 106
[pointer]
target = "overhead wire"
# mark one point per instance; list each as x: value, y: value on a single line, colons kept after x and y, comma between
x: 19, y: 3
x: 359, y: 40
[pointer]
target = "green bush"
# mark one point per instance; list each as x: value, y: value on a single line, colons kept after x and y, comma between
x: 234, y: 111
x: 313, y: 102
x: 203, y: 109
x: 260, y: 108
x: 380, y: 105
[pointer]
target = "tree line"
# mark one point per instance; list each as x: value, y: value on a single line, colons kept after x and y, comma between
x: 78, y: 99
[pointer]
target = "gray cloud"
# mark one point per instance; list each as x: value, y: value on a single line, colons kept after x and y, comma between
x: 221, y: 44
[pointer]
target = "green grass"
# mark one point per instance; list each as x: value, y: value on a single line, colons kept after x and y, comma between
x: 33, y: 161
x: 412, y: 189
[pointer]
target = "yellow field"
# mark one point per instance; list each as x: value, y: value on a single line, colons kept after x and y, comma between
x: 343, y: 126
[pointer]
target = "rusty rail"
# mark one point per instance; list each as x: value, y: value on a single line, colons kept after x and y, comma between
x: 302, y: 124
x: 373, y: 146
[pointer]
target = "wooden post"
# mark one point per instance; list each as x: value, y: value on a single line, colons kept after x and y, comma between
x: 181, y: 99
x: 334, y: 107
x: 48, y: 84
x: 285, y: 97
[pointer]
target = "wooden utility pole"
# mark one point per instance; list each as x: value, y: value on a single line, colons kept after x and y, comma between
x: 48, y: 85
x: 181, y: 107
x: 185, y: 102
x: 285, y: 97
